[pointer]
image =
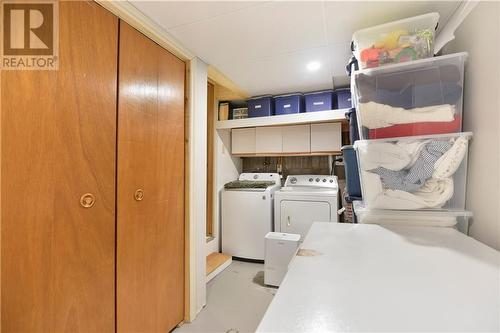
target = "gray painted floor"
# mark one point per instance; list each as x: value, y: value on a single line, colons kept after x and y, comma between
x: 236, y: 301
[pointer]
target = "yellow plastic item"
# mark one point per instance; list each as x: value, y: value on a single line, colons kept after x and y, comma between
x: 391, y: 41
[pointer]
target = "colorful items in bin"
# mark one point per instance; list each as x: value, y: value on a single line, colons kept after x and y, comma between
x: 288, y: 104
x: 319, y: 101
x: 343, y: 98
x: 240, y: 113
x: 414, y: 173
x: 399, y: 46
x: 395, y: 42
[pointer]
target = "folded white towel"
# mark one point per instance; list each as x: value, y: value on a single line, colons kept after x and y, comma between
x: 448, y: 164
x: 375, y: 115
x: 392, y: 156
x: 383, y: 154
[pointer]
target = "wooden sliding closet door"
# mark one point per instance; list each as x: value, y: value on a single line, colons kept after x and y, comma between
x: 150, y: 232
x: 58, y: 143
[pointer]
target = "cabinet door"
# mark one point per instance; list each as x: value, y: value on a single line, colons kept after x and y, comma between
x: 268, y: 140
x: 326, y: 137
x: 59, y: 143
x: 243, y: 141
x: 298, y: 216
x: 150, y: 198
x: 297, y: 139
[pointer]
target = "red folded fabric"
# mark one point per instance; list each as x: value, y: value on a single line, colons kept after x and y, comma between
x: 424, y: 128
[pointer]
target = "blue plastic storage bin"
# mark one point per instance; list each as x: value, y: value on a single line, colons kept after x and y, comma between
x: 353, y: 185
x: 343, y: 98
x: 319, y: 100
x: 289, y: 103
x: 260, y: 106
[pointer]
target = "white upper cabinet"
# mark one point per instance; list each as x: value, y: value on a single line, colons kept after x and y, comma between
x: 243, y: 141
x: 297, y: 139
x: 326, y: 137
x: 268, y: 140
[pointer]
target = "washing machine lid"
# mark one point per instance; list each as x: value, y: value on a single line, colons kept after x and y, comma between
x: 248, y: 185
x: 254, y: 182
x: 260, y: 176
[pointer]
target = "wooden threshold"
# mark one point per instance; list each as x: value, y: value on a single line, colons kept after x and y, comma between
x: 216, y: 263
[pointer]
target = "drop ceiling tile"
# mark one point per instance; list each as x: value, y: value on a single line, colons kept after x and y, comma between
x: 274, y: 75
x: 171, y: 14
x: 339, y: 57
x: 256, y: 32
x: 344, y: 17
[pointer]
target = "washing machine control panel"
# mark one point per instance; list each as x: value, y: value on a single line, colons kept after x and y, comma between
x: 275, y: 177
x: 325, y: 181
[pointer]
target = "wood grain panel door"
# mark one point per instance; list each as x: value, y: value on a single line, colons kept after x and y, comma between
x: 150, y: 232
x: 58, y: 143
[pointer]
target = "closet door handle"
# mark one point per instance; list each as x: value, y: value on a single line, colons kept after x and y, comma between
x: 87, y: 200
x: 288, y: 222
x: 139, y: 194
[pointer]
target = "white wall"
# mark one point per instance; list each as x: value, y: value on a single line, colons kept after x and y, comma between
x: 479, y: 35
x: 227, y: 168
x: 197, y: 185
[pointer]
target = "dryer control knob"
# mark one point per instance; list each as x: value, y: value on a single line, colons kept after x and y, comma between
x: 293, y: 180
x: 310, y: 179
x: 317, y: 179
x: 324, y: 180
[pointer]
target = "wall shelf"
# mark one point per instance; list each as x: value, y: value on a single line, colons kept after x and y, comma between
x: 332, y: 153
x: 288, y: 119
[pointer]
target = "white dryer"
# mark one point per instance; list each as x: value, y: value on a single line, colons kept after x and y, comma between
x: 303, y: 200
x: 247, y: 214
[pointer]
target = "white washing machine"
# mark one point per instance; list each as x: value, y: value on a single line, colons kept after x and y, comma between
x: 303, y: 200
x: 247, y: 214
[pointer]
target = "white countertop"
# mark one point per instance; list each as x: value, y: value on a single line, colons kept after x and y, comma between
x: 374, y: 278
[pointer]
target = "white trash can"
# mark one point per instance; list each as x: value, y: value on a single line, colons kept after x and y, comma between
x: 280, y: 249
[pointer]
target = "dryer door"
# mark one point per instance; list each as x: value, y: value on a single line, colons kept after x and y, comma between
x: 298, y: 216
